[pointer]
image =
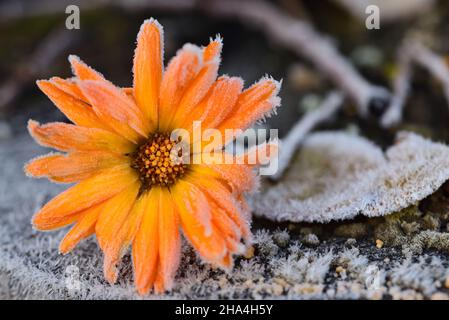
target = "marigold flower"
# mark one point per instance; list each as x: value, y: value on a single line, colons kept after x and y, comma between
x: 127, y: 191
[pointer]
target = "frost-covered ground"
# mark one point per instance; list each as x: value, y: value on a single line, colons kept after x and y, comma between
x: 293, y: 261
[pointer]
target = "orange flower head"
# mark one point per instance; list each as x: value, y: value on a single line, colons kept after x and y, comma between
x: 129, y: 190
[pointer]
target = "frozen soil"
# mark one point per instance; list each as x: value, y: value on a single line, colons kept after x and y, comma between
x: 401, y: 256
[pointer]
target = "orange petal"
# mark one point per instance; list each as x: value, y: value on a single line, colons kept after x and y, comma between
x: 189, y: 198
x: 223, y: 198
x: 213, y: 50
x: 114, y: 107
x: 227, y: 227
x: 82, y: 70
x: 198, y: 87
x: 148, y: 66
x: 240, y: 177
x: 85, y: 194
x: 145, y: 248
x: 84, y: 228
x: 169, y: 242
x: 69, y: 137
x: 110, y: 224
x: 221, y: 100
x: 56, y: 222
x: 253, y: 104
x: 181, y: 70
x: 121, y: 240
x: 72, y: 167
x: 206, y: 240
x: 75, y: 109
x: 70, y: 87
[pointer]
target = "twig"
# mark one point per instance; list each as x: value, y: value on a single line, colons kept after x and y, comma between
x: 297, y: 134
x: 401, y: 87
x: 35, y: 65
x: 300, y: 37
x: 413, y: 52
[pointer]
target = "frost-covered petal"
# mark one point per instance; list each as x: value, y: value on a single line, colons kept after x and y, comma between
x: 72, y: 167
x: 68, y: 137
x: 114, y: 107
x: 82, y: 71
x: 200, y: 85
x: 255, y: 103
x: 84, y: 227
x: 148, y: 67
x: 109, y: 226
x: 75, y: 109
x: 181, y: 70
x: 169, y: 242
x: 85, y: 194
x: 145, y: 247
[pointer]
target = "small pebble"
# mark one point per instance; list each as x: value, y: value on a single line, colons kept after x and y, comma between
x: 249, y: 253
x: 340, y: 269
x: 379, y: 243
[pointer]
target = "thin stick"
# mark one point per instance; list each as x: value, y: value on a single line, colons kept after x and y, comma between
x: 299, y: 131
x: 413, y: 52
x: 300, y: 37
x: 401, y: 87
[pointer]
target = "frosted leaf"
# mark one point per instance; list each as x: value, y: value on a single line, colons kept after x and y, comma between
x: 337, y: 176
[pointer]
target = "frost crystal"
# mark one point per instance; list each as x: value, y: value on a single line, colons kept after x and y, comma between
x: 337, y: 176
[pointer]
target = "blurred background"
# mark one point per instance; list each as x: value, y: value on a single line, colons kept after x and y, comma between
x: 35, y: 44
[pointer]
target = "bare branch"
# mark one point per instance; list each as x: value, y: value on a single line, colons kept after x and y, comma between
x: 401, y: 87
x: 300, y: 37
x: 413, y: 52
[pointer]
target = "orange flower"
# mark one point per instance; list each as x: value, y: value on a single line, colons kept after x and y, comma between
x: 127, y: 192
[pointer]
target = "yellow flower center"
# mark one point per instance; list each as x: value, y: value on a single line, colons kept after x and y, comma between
x: 156, y: 163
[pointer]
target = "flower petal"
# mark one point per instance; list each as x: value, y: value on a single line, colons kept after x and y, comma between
x: 200, y: 85
x: 72, y: 167
x: 169, y: 242
x: 224, y: 199
x: 84, y: 195
x: 124, y: 236
x: 145, y: 247
x: 240, y: 177
x: 75, y: 109
x: 227, y: 227
x: 191, y: 200
x: 69, y: 137
x: 114, y: 107
x: 83, y: 228
x: 192, y: 207
x: 148, y: 67
x: 255, y: 103
x: 181, y: 70
x: 216, y: 106
x: 82, y: 70
x: 110, y: 225
x: 70, y: 87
